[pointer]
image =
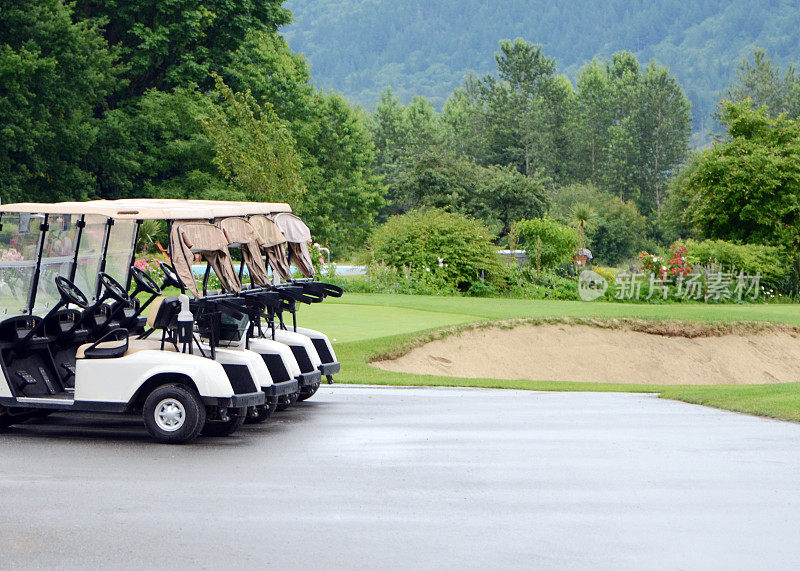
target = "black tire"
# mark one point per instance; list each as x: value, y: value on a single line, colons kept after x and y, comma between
x: 174, y: 405
x: 226, y: 428
x: 309, y: 392
x: 263, y: 411
x: 286, y: 401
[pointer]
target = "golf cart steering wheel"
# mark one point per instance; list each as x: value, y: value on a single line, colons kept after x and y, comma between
x: 70, y: 292
x: 171, y: 275
x: 113, y: 288
x: 144, y: 281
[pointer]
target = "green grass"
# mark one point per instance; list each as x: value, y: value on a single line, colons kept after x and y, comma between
x: 366, y: 325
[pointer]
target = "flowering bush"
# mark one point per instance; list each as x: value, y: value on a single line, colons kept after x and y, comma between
x: 679, y: 263
x: 677, y: 266
x: 10, y: 255
x: 652, y: 264
x: 149, y: 266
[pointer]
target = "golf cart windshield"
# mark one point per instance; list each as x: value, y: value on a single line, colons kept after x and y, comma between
x: 19, y: 240
x: 58, y: 255
x: 121, y: 243
x: 90, y: 255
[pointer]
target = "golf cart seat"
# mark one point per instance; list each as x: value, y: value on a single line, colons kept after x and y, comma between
x: 134, y: 346
x: 162, y: 314
x: 112, y: 345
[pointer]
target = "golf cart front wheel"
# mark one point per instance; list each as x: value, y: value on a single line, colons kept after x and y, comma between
x: 287, y: 401
x: 226, y: 427
x: 174, y: 414
x: 308, y: 392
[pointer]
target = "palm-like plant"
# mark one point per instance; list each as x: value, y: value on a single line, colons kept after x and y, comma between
x: 583, y: 216
x: 149, y: 233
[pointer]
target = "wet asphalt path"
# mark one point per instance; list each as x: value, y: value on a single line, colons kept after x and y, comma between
x: 377, y: 478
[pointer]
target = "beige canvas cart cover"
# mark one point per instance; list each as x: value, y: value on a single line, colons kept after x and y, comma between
x: 272, y: 240
x: 199, y: 237
x: 150, y: 208
x: 298, y: 235
x: 242, y: 235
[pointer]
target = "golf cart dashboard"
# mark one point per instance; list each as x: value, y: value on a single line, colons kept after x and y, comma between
x: 62, y: 322
x: 16, y: 328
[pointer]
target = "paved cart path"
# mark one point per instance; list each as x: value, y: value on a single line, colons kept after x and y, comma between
x: 375, y: 478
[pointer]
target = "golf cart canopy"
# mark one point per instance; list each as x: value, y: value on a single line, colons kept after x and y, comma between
x: 242, y: 235
x: 189, y: 237
x: 298, y: 235
x: 151, y: 208
x: 272, y: 240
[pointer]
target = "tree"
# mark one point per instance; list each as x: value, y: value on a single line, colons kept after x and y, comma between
x: 507, y: 196
x: 761, y: 82
x: 593, y: 104
x: 166, y: 44
x: 496, y: 195
x: 401, y: 134
x: 265, y: 64
x: 526, y: 109
x: 746, y: 188
x: 583, y: 216
x: 157, y: 147
x: 465, y: 123
x: 632, y: 129
x: 619, y: 231
x: 54, y: 74
x: 254, y: 149
x: 665, y: 127
x: 344, y: 195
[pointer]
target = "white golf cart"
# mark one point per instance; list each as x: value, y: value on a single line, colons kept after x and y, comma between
x: 243, y: 226
x: 64, y: 350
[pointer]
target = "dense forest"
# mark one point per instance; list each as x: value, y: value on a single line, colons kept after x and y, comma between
x: 422, y: 47
x: 207, y: 99
x: 184, y: 99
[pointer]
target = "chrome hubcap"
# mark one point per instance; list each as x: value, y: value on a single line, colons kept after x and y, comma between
x: 170, y: 415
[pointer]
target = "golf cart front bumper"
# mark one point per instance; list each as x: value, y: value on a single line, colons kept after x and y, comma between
x: 330, y: 369
x: 237, y: 401
x: 281, y: 389
x: 309, y: 379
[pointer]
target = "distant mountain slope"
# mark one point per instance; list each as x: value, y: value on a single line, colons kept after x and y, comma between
x: 426, y: 47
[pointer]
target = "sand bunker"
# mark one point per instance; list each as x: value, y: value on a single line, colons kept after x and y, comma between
x: 606, y: 355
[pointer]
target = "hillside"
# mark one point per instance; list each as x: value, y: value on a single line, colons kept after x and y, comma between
x: 425, y: 47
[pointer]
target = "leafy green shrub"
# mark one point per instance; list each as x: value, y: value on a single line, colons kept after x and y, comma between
x: 558, y: 241
x: 527, y: 283
x: 440, y: 249
x: 618, y: 233
x: 771, y: 262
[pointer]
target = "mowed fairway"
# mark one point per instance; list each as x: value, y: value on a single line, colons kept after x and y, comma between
x: 359, y: 317
x: 346, y: 322
x: 367, y: 325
